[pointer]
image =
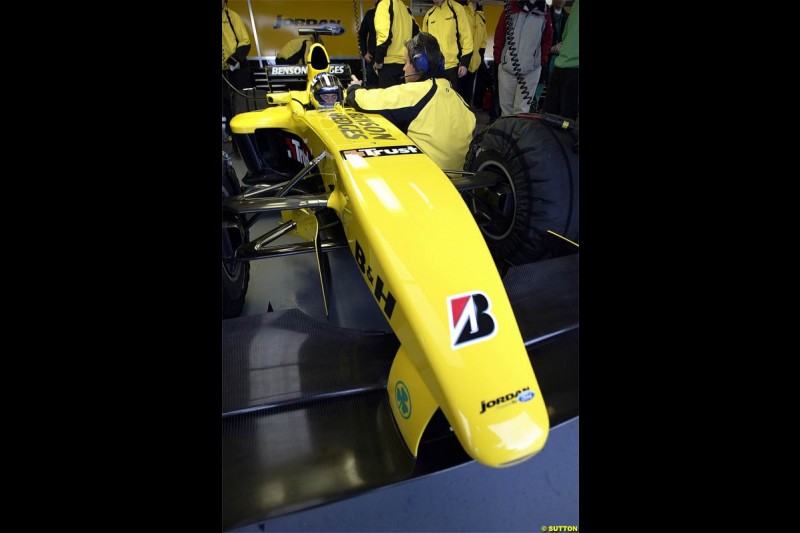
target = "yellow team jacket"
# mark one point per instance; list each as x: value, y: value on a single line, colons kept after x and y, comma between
x: 232, y: 32
x: 478, y: 25
x: 393, y: 27
x: 430, y: 112
x: 294, y: 51
x: 449, y: 23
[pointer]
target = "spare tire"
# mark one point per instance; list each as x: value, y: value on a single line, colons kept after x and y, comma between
x: 538, y: 166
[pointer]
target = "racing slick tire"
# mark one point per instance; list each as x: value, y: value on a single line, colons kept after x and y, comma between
x: 235, y: 274
x: 538, y: 166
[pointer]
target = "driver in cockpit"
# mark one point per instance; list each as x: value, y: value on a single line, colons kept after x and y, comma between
x: 326, y: 90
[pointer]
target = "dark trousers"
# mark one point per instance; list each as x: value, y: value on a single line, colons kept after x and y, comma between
x: 389, y: 75
x: 562, y: 93
x: 465, y: 85
x: 452, y: 75
x: 370, y: 77
x: 483, y: 79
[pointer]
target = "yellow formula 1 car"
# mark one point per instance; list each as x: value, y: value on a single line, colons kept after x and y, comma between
x: 431, y: 245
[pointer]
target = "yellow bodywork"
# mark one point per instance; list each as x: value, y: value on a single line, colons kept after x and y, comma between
x: 426, y: 263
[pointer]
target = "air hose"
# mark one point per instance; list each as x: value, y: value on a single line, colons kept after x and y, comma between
x: 512, y: 52
x: 357, y: 18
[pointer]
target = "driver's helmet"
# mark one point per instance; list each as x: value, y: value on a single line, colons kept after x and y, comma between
x: 326, y: 90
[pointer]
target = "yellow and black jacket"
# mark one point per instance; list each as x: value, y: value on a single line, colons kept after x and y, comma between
x: 449, y: 23
x: 430, y: 112
x: 294, y: 52
x: 235, y: 39
x: 394, y: 25
x: 478, y: 25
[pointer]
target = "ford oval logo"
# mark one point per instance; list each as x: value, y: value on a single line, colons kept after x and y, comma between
x: 525, y: 396
x: 336, y: 29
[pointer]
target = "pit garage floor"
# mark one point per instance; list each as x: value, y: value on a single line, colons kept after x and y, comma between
x: 540, y: 492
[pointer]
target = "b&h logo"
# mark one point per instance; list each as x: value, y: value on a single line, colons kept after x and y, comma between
x: 471, y: 319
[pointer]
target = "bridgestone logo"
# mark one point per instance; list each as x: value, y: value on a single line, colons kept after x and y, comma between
x: 377, y: 152
x: 471, y: 319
